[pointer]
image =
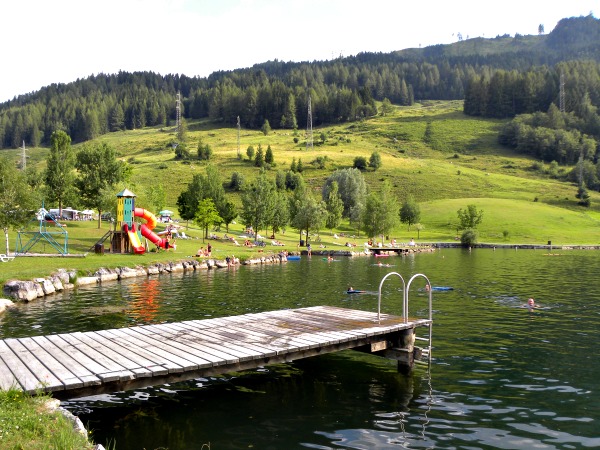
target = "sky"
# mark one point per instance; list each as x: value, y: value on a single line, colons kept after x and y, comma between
x: 58, y: 41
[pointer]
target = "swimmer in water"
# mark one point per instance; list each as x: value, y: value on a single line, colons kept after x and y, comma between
x: 531, y: 304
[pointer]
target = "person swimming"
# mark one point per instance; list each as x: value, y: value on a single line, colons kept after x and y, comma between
x: 531, y: 304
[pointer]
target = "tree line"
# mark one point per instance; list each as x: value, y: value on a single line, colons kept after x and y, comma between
x: 494, y: 76
x: 272, y: 205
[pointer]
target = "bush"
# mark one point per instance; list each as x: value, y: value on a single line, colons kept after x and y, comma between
x: 360, y: 163
x: 375, y: 161
x: 468, y: 238
x: 237, y: 181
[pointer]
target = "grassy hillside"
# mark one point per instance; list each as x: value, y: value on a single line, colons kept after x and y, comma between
x: 460, y: 163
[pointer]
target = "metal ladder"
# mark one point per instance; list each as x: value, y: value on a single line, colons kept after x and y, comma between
x: 425, y: 350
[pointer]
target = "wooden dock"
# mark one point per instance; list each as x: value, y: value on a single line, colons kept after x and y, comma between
x: 87, y: 363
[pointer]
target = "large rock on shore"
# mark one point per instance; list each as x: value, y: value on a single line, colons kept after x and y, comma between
x: 23, y: 290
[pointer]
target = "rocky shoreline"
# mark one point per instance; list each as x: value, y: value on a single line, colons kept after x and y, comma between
x: 25, y: 291
x: 28, y: 290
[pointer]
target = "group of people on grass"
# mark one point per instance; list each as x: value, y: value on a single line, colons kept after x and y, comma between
x: 204, y: 252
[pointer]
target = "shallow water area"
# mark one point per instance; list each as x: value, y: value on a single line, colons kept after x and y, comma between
x: 502, y: 376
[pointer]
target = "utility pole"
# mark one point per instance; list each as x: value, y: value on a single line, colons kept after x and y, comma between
x: 561, y: 95
x: 178, y: 111
x: 309, y: 130
x: 239, y: 154
x: 23, y: 157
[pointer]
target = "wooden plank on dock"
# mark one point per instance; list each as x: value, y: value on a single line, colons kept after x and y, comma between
x: 86, y: 363
x: 45, y: 380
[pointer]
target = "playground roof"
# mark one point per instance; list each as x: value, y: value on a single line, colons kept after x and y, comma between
x: 126, y: 193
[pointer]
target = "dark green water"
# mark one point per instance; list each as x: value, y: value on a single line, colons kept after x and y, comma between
x: 502, y: 377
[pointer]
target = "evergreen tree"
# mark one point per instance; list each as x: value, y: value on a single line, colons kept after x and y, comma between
x: 386, y: 107
x: 269, y: 159
x: 259, y: 159
x: 266, y: 128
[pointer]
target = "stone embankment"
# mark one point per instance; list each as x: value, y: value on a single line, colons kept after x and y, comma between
x: 29, y: 290
x: 25, y: 291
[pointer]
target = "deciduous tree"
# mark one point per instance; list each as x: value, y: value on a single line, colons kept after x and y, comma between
x: 381, y: 212
x: 16, y: 198
x: 469, y: 218
x: 258, y: 201
x: 310, y: 215
x: 351, y: 185
x: 410, y: 213
x: 99, y: 171
x: 60, y: 166
x: 335, y: 207
x: 206, y: 215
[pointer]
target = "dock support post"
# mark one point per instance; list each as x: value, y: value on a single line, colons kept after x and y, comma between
x: 405, y: 348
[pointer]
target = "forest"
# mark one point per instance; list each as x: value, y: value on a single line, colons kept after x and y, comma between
x: 500, y: 77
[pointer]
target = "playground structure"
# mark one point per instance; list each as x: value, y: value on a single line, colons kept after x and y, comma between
x: 126, y: 236
x: 55, y: 235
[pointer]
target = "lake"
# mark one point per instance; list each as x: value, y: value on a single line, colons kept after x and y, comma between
x: 501, y: 376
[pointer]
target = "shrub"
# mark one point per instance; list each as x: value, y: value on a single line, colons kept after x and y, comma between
x: 375, y: 161
x: 237, y: 181
x: 468, y: 238
x: 360, y: 163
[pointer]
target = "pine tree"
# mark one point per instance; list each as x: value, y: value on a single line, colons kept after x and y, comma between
x: 269, y: 155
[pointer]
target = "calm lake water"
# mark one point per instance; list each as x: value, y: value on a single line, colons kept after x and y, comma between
x: 502, y: 377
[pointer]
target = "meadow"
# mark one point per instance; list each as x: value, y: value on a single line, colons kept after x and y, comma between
x: 432, y: 151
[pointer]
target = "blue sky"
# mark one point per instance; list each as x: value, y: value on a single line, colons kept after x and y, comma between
x: 45, y: 41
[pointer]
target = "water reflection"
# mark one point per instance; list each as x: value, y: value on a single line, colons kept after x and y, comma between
x: 145, y: 301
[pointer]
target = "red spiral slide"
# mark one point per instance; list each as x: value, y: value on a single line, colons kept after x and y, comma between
x: 146, y: 230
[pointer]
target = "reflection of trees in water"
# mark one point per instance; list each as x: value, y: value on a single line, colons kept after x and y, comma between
x: 145, y: 304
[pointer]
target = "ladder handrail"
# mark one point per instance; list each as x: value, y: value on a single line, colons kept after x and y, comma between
x: 405, y: 306
x: 404, y: 302
x: 405, y: 291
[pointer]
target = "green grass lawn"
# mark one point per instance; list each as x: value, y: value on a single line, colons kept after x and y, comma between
x: 460, y: 163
